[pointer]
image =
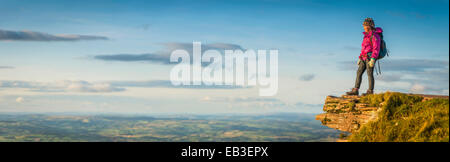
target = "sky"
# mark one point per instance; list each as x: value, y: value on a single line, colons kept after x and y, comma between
x: 111, y: 56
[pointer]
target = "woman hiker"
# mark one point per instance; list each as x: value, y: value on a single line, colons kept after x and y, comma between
x: 369, y: 54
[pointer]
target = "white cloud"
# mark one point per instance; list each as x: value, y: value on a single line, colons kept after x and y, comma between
x: 82, y: 86
x: 19, y: 99
x: 417, y: 88
x: 206, y: 98
x: 445, y: 91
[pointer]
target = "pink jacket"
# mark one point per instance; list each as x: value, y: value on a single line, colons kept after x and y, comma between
x: 371, y: 45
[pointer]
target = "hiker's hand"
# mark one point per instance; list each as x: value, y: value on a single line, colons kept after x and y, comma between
x: 359, y: 61
x: 372, y: 62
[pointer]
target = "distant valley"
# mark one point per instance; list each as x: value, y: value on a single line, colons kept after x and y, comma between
x: 170, y: 128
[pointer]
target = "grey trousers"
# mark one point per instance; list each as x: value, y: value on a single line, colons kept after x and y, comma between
x: 362, y: 68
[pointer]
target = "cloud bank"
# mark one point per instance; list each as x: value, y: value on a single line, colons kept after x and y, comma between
x: 38, y: 36
x: 424, y: 75
x: 62, y: 86
x: 168, y: 84
x: 164, y: 55
x: 6, y: 67
x: 97, y: 87
x: 402, y: 65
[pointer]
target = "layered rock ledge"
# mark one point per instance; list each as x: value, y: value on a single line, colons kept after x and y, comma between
x: 348, y: 114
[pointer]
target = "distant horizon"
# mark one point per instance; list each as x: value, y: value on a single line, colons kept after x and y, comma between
x: 159, y: 114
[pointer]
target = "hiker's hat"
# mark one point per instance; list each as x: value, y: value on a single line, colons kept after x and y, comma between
x: 369, y: 22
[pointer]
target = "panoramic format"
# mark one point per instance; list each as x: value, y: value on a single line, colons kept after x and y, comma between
x: 225, y: 71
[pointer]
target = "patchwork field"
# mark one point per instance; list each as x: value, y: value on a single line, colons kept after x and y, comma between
x: 274, y: 127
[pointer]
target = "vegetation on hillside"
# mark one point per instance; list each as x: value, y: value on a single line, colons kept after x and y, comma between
x: 405, y: 118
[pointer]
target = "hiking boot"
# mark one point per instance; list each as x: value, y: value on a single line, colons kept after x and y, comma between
x: 369, y: 92
x: 353, y: 92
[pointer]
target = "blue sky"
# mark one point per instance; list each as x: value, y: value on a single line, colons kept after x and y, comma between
x: 318, y: 43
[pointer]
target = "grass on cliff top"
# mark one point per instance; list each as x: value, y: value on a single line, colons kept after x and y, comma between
x: 405, y: 118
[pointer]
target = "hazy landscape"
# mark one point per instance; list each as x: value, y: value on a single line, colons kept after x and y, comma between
x: 273, y: 127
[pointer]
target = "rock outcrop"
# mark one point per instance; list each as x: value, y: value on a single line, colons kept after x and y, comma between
x: 348, y: 114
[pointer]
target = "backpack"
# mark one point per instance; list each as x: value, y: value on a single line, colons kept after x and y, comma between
x: 383, y: 52
x: 383, y: 49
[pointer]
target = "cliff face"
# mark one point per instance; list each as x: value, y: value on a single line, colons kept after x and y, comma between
x: 348, y: 113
